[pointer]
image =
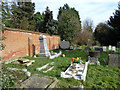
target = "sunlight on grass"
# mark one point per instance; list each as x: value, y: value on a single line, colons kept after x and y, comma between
x: 97, y: 76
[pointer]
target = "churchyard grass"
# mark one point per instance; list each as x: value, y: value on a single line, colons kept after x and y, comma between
x: 97, y: 76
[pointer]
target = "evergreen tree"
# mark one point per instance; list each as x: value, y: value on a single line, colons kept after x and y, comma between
x: 39, y: 21
x: 18, y: 15
x: 102, y: 34
x: 6, y: 14
x: 114, y: 22
x: 69, y: 23
x: 26, y: 15
x: 50, y: 25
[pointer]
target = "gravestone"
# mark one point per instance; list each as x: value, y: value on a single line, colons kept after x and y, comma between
x: 110, y: 47
x: 118, y: 45
x: 104, y: 48
x: 114, y: 48
x: 71, y: 47
x: 89, y: 44
x: 44, y: 51
x: 64, y: 45
x: 87, y: 49
x: 94, y: 53
x: 99, y: 49
x: 114, y: 60
x: 93, y: 60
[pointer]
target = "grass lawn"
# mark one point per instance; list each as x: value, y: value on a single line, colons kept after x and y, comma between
x: 97, y: 76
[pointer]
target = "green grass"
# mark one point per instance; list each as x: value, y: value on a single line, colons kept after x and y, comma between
x: 98, y: 76
x: 102, y: 76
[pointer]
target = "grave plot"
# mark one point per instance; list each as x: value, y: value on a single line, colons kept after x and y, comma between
x: 38, y: 81
x: 76, y: 70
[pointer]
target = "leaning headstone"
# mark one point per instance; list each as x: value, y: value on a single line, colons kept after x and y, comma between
x: 89, y: 44
x: 114, y: 48
x: 104, y: 48
x: 114, y: 60
x: 110, y: 47
x: 64, y: 45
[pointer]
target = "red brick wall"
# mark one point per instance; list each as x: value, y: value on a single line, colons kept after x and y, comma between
x: 17, y: 43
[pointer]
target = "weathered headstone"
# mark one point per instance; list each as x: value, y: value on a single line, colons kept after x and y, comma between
x: 114, y: 48
x: 114, y: 60
x: 104, y: 48
x: 44, y: 51
x: 94, y: 53
x: 71, y: 48
x: 110, y: 47
x: 93, y: 60
x: 30, y: 47
x: 99, y: 49
x: 64, y: 45
x: 87, y: 49
x: 89, y: 44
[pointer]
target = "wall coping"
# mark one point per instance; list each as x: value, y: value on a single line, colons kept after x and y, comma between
x: 27, y: 31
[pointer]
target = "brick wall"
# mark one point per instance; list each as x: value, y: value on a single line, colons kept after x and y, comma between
x: 17, y: 44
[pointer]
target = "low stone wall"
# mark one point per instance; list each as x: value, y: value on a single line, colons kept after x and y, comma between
x: 21, y: 43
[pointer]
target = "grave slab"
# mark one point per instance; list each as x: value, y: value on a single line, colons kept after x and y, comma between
x: 39, y: 81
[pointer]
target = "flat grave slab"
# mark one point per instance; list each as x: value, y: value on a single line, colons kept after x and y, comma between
x: 39, y: 81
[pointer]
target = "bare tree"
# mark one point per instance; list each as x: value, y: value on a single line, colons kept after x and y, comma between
x: 87, y: 32
x: 88, y: 25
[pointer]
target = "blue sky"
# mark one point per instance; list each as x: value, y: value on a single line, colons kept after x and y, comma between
x: 97, y: 10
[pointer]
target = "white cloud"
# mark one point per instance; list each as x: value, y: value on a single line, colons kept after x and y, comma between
x: 97, y: 10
